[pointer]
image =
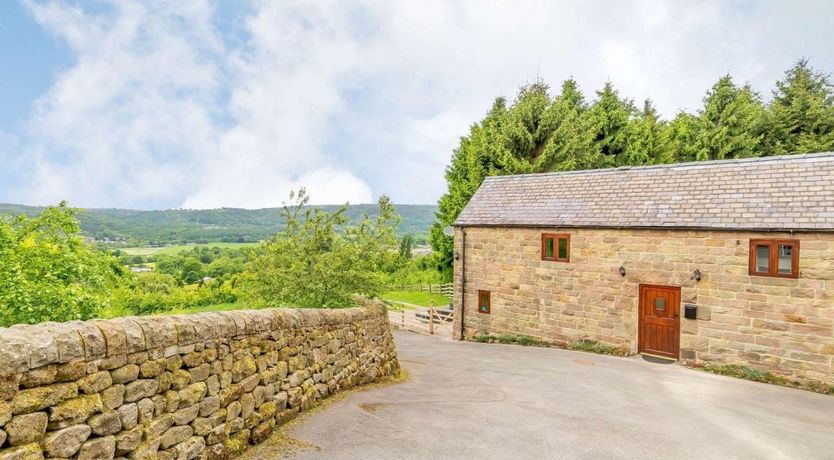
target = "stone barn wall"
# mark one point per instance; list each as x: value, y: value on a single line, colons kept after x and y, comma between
x: 179, y: 387
x: 781, y: 325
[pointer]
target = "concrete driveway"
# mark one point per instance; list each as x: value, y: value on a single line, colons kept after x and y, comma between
x: 470, y: 400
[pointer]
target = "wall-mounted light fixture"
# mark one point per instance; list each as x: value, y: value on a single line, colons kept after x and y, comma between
x: 622, y: 270
x: 457, y: 255
x: 697, y: 275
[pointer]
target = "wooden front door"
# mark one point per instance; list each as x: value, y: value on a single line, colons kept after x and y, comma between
x: 659, y: 329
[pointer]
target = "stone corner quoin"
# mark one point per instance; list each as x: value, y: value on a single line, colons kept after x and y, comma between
x: 204, y: 385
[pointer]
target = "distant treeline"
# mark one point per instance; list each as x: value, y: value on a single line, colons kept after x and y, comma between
x: 541, y: 132
x: 181, y: 226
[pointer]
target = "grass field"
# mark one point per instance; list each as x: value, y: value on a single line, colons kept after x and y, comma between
x: 417, y: 298
x: 147, y: 251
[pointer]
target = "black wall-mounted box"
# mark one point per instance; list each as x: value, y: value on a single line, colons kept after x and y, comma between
x: 690, y: 311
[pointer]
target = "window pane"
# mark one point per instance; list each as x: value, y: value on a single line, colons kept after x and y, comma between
x: 785, y: 259
x: 548, y: 247
x: 762, y: 259
x: 563, y: 248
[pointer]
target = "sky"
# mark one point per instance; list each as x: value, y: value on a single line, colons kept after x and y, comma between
x: 204, y: 104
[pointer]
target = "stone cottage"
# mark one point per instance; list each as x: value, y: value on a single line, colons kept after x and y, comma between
x: 728, y: 261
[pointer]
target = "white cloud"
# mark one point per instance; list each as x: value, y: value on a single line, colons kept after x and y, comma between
x: 163, y: 107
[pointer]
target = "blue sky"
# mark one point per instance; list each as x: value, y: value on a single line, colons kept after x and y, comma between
x: 199, y: 104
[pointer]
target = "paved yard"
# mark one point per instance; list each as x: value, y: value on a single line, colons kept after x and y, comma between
x: 470, y: 400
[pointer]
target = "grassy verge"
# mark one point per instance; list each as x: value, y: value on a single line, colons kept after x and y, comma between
x: 758, y: 375
x: 592, y: 346
x: 511, y: 338
x: 423, y: 299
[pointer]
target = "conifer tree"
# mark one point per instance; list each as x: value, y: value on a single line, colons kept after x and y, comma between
x: 645, y: 140
x: 609, y: 116
x: 570, y: 144
x: 681, y: 138
x: 728, y: 122
x: 800, y: 118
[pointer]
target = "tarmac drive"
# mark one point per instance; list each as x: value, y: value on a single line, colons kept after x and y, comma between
x: 472, y: 400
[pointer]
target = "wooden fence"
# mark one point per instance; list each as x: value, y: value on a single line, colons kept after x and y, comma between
x: 442, y: 289
x: 424, y: 320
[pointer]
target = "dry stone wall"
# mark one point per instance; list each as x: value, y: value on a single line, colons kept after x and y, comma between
x: 179, y: 387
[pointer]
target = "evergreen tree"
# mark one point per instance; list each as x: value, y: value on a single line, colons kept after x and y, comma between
x: 570, y: 145
x: 681, y: 138
x: 800, y: 118
x: 540, y: 133
x: 645, y: 140
x: 536, y: 133
x: 609, y: 116
x: 728, y: 122
x: 475, y: 158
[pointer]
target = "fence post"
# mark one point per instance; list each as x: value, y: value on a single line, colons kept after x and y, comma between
x: 431, y: 317
x: 402, y: 317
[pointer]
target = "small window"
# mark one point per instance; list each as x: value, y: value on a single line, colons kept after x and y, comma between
x: 779, y: 258
x: 556, y: 247
x: 483, y: 302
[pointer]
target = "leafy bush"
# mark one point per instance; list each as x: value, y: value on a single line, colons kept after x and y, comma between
x: 47, y: 273
x: 321, y: 259
x: 159, y: 292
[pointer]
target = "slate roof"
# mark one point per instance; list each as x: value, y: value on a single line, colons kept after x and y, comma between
x: 794, y: 192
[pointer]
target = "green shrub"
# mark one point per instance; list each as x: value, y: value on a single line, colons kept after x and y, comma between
x: 47, y: 273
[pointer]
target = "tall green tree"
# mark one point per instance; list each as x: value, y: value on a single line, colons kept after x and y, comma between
x: 322, y: 259
x: 681, y: 138
x: 48, y: 273
x: 729, y: 122
x: 535, y: 133
x: 800, y: 118
x: 646, y: 142
x: 539, y: 133
x: 609, y: 117
x: 570, y: 143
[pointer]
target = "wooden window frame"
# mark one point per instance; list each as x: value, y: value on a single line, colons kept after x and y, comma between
x: 773, y: 258
x: 481, y: 295
x: 556, y: 237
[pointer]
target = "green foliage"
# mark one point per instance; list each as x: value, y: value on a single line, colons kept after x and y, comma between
x: 540, y: 133
x: 406, y: 246
x: 417, y: 270
x: 609, y: 118
x: 322, y: 259
x: 592, y: 346
x: 47, y: 273
x: 800, y: 118
x: 728, y: 123
x: 149, y: 293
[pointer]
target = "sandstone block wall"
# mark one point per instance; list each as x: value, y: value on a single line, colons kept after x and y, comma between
x: 179, y: 387
x: 781, y: 325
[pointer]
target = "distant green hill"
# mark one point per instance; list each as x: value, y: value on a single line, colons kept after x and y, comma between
x: 181, y: 226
